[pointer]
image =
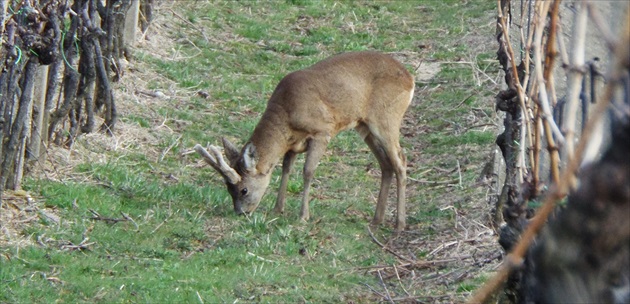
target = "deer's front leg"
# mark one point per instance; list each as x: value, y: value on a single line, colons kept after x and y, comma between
x: 314, y: 153
x: 287, y: 164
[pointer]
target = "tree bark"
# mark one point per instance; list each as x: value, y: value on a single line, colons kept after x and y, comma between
x: 510, y: 204
x: 37, y: 35
x: 8, y: 83
x: 70, y: 79
x: 86, y: 85
x: 22, y: 119
x: 3, y: 13
x: 53, y: 74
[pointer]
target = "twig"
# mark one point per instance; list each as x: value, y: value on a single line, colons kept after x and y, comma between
x: 158, y: 226
x: 155, y: 94
x: 429, y: 299
x: 537, y: 146
x: 517, y: 83
x: 479, y: 126
x: 82, y: 246
x: 424, y: 181
x: 191, y: 24
x: 127, y: 217
x: 40, y: 242
x: 108, y: 220
x: 551, y: 51
x: 374, y: 290
x: 400, y: 281
x: 26, y: 220
x: 459, y: 171
x: 389, y: 296
x: 574, y: 82
x: 544, y: 76
x: 188, y: 152
x: 199, y: 297
x: 386, y: 248
x: 175, y: 142
x: 260, y: 258
x: 465, y: 99
x: 526, y: 57
x: 188, y: 255
x: 442, y: 247
x: 416, y: 264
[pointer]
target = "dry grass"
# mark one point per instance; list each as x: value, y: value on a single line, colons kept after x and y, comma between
x: 16, y: 213
x: 450, y: 257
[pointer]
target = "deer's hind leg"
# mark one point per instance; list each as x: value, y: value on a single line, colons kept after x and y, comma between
x: 384, y: 143
x: 401, y: 185
x: 387, y: 172
x: 399, y: 165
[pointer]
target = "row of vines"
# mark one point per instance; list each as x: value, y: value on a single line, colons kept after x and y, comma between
x: 565, y: 145
x: 58, y: 60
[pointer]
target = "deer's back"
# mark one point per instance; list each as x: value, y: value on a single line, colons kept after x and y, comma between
x: 340, y: 91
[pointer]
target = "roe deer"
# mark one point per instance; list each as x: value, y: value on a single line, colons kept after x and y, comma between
x: 368, y: 91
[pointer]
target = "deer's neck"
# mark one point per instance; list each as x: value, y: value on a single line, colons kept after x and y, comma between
x: 271, y: 139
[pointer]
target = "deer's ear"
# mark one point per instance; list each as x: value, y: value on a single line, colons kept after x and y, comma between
x: 249, y: 157
x: 230, y: 150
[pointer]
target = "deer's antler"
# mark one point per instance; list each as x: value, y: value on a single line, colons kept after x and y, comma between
x: 218, y: 163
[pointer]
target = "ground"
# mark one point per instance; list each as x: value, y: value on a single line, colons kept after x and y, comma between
x: 447, y: 250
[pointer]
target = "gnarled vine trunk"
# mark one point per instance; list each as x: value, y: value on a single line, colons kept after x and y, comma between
x: 71, y: 42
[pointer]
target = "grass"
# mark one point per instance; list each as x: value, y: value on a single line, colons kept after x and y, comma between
x: 185, y: 244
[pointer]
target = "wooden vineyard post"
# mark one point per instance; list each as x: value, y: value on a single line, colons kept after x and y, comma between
x: 131, y: 23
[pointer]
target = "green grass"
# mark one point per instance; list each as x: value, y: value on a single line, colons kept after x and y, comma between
x: 186, y: 244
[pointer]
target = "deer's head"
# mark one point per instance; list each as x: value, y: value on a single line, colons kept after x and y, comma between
x: 244, y: 183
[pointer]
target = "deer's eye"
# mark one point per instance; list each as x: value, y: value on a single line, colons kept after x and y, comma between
x: 244, y: 191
